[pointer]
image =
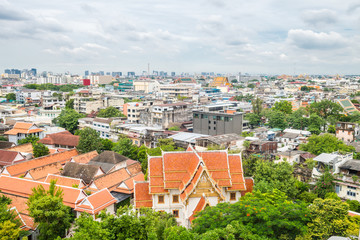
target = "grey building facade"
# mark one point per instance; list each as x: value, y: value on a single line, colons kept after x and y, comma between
x: 217, y: 123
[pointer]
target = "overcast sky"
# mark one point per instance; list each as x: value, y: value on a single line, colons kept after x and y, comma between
x: 224, y: 36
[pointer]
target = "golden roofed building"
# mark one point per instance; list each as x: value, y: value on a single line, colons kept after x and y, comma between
x: 220, y: 82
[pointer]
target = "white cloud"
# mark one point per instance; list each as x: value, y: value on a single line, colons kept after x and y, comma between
x: 319, y: 17
x: 308, y: 39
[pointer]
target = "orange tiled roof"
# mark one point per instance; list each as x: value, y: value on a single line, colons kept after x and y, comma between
x: 84, y: 158
x: 199, y: 207
x: 21, y: 127
x: 220, y: 81
x: 249, y: 182
x: 21, y: 187
x: 64, y: 138
x: 40, y: 173
x: 111, y: 180
x: 24, y: 148
x: 8, y: 157
x: 64, y: 181
x: 142, y: 197
x: 96, y: 202
x: 182, y: 170
x: 19, y: 169
x: 236, y: 172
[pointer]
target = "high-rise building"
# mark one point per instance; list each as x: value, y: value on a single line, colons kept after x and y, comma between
x: 8, y: 71
x: 108, y: 73
x: 131, y: 74
x: 87, y: 73
x: 33, y: 71
x: 116, y: 74
x: 173, y: 74
x: 101, y: 73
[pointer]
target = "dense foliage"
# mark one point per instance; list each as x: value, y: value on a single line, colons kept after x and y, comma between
x: 325, y: 143
x: 110, y: 112
x: 9, y: 223
x: 47, y: 209
x: 89, y: 141
x: 68, y: 119
x: 52, y: 87
x: 40, y: 150
x: 29, y: 139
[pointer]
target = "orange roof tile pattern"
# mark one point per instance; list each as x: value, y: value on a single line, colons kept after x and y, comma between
x: 21, y: 127
x: 96, y: 202
x: 182, y: 171
x: 24, y: 148
x: 64, y: 181
x: 84, y: 158
x: 19, y: 169
x: 142, y: 196
x: 21, y: 187
x: 64, y: 138
x: 40, y: 173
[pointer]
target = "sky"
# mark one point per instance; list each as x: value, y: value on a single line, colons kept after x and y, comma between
x: 222, y: 36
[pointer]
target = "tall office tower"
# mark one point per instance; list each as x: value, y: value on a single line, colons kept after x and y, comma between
x: 33, y: 71
x: 8, y: 71
x: 87, y: 73
x: 131, y: 74
x: 173, y: 74
x: 108, y: 73
x: 101, y: 73
x: 116, y: 74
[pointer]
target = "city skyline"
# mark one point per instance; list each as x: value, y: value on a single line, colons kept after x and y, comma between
x: 256, y: 37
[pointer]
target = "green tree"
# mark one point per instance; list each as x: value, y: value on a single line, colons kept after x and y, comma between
x: 9, y: 223
x: 177, y: 233
x: 126, y: 147
x: 325, y: 109
x: 277, y: 119
x: 254, y: 119
x: 47, y: 209
x: 3, y: 138
x: 251, y: 85
x: 269, y: 176
x: 325, y: 143
x: 329, y: 217
x: 324, y: 185
x: 175, y: 128
x: 89, y: 141
x: 257, y: 106
x: 40, y: 150
x: 249, y: 163
x: 315, y: 123
x: 29, y: 139
x: 127, y: 224
x: 283, y: 106
x: 331, y: 129
x: 68, y: 119
x: 110, y: 112
x: 247, y: 134
x: 142, y: 157
x: 10, y: 97
x: 297, y: 120
x: 69, y: 104
x: 107, y: 144
x: 271, y: 215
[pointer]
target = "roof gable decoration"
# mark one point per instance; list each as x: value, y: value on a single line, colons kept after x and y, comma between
x: 93, y: 186
x: 28, y: 176
x: 81, y: 196
x: 204, y: 178
x: 86, y: 202
x: 123, y: 185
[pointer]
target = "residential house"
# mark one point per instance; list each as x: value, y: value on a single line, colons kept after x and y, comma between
x: 21, y: 130
x: 329, y: 161
x: 183, y: 183
x: 347, y: 185
x: 262, y: 147
x: 60, y: 140
x: 83, y: 171
x: 347, y: 131
x: 183, y: 139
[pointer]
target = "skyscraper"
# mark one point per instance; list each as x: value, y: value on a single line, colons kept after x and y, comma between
x: 87, y: 73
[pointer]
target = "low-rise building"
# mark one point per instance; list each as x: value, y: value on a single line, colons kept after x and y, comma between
x: 347, y: 131
x: 21, y: 130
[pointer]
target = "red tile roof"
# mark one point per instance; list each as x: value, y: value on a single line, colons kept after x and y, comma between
x: 142, y: 197
x: 8, y: 157
x: 64, y: 138
x: 96, y: 202
x: 19, y: 169
x: 40, y: 173
x: 65, y: 181
x: 24, y: 148
x: 21, y: 187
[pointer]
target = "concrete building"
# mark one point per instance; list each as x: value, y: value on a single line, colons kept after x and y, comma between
x: 147, y: 86
x: 217, y: 123
x: 164, y: 114
x: 347, y: 132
